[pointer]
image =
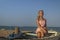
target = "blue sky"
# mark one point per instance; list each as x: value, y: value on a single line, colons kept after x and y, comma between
x: 24, y: 12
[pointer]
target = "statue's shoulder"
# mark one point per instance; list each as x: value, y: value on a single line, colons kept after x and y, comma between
x: 45, y: 19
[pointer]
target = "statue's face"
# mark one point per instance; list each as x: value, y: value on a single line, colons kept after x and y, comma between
x: 41, y: 14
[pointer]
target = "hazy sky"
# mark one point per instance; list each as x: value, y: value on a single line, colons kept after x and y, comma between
x: 24, y: 12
